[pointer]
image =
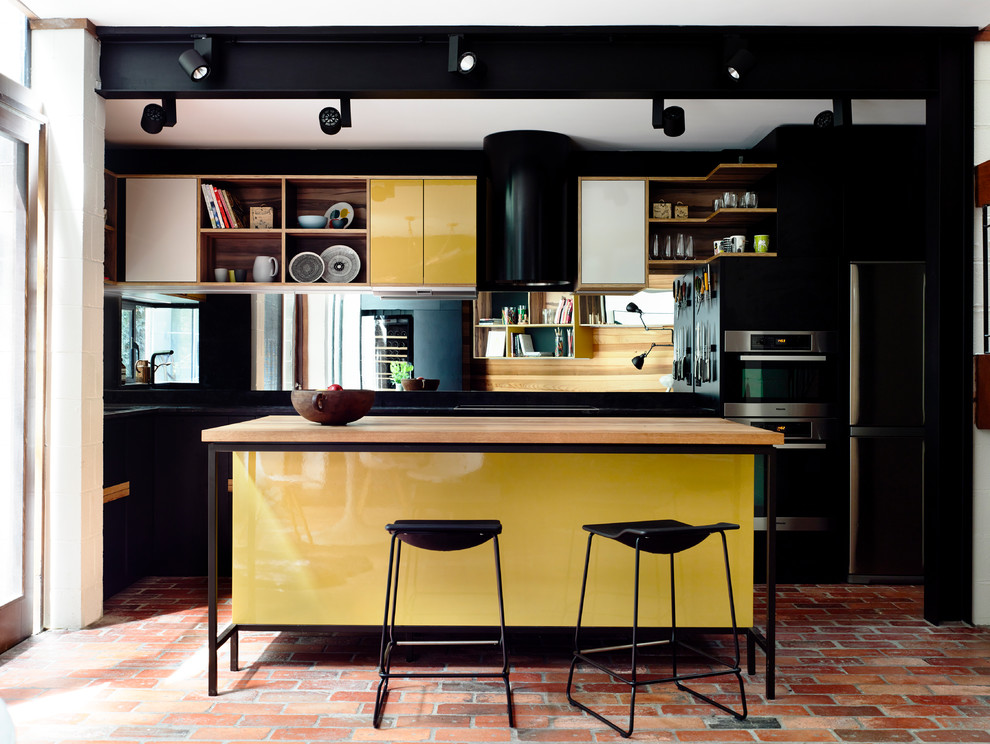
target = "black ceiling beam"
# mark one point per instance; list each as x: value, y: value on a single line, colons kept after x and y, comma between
x: 546, y: 63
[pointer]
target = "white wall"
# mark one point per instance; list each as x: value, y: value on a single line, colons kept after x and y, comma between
x: 981, y: 439
x: 65, y: 74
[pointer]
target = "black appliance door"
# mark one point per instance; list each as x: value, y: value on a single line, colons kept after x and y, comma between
x: 885, y: 508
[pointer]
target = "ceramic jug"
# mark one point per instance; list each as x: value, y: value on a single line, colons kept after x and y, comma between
x: 265, y: 269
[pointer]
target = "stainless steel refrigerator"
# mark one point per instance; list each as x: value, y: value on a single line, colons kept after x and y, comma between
x: 886, y: 421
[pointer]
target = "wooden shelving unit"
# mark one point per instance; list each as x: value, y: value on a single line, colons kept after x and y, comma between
x: 705, y: 224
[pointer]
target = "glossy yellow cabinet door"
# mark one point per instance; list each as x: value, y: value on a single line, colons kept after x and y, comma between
x: 396, y: 231
x: 450, y: 231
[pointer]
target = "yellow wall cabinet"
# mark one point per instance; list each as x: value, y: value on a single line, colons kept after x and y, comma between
x: 423, y: 232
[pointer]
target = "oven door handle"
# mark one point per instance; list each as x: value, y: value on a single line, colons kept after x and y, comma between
x: 781, y: 358
x: 801, y: 446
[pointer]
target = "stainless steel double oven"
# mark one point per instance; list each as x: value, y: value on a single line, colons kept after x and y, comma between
x: 786, y: 381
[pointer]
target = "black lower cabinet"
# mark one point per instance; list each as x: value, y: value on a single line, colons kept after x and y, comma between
x: 160, y: 527
x: 180, y: 539
x: 128, y: 520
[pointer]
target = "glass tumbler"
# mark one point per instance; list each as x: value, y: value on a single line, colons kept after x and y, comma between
x: 749, y: 200
x: 730, y: 200
x: 679, y: 250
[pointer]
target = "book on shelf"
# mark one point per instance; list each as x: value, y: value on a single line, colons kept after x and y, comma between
x: 496, y: 344
x: 221, y: 208
x: 228, y: 204
x: 211, y: 207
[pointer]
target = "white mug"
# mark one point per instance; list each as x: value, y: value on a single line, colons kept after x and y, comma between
x: 738, y: 243
x: 265, y: 269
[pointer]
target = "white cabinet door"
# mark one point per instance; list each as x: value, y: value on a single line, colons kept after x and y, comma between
x: 160, y: 229
x: 612, y: 251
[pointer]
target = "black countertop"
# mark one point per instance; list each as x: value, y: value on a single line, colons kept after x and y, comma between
x: 407, y: 403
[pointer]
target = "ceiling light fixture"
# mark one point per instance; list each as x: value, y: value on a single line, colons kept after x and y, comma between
x: 333, y: 120
x: 196, y: 61
x: 156, y: 117
x: 669, y: 119
x: 458, y: 61
x: 738, y: 59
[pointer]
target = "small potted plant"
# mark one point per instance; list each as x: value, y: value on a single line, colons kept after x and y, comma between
x: 400, y: 371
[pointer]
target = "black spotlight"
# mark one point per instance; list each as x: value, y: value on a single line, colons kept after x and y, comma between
x: 670, y: 119
x: 739, y: 62
x: 458, y: 61
x: 333, y: 120
x: 156, y: 117
x: 196, y: 61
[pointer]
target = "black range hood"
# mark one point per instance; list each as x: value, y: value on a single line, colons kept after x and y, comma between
x: 528, y: 240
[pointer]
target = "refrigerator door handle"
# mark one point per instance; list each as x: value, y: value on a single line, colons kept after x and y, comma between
x: 854, y: 358
x: 853, y: 504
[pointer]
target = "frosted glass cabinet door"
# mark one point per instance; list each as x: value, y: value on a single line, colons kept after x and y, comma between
x: 613, y: 234
x: 160, y: 229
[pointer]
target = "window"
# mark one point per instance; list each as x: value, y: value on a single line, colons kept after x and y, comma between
x: 147, y: 330
x: 13, y: 43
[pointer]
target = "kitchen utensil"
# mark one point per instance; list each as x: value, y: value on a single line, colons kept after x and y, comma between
x: 342, y: 264
x: 738, y: 243
x: 265, y: 269
x: 332, y: 407
x: 306, y: 267
x: 761, y: 243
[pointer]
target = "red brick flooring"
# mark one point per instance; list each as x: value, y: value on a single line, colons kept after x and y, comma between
x: 856, y: 664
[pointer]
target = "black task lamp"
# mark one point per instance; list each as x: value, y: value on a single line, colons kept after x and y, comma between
x: 640, y: 359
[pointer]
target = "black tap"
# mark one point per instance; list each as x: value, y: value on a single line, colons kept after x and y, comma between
x: 154, y: 367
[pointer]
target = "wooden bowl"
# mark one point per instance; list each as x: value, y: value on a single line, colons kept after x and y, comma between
x: 418, y: 384
x: 332, y: 407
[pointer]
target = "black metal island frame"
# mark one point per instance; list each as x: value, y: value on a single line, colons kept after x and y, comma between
x: 310, y: 504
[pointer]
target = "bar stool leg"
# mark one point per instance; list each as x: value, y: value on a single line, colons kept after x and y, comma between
x: 388, y: 625
x: 501, y: 620
x: 734, y: 669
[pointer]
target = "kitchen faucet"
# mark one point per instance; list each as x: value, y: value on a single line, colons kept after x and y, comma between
x: 154, y: 367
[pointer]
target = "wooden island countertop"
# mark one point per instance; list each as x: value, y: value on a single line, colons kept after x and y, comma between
x: 498, y: 430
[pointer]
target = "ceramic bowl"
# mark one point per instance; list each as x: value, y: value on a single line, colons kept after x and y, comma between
x: 338, y: 223
x: 312, y: 220
x: 420, y: 384
x: 332, y: 407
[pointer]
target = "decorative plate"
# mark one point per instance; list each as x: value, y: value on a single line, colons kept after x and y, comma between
x: 342, y: 264
x: 344, y: 211
x: 306, y: 267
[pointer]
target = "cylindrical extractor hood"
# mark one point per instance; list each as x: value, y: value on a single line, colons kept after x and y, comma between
x: 528, y: 241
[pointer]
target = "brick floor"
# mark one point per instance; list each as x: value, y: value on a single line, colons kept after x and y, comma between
x: 855, y: 664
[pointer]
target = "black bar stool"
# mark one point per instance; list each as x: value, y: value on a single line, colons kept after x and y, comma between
x: 665, y: 536
x: 440, y: 534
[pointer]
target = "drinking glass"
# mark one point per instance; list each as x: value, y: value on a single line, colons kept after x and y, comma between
x: 716, y: 204
x: 668, y: 252
x: 689, y: 247
x: 749, y: 200
x: 730, y: 200
x: 679, y: 251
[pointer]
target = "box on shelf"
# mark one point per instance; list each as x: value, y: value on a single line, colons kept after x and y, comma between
x: 661, y: 210
x: 680, y: 211
x: 262, y: 218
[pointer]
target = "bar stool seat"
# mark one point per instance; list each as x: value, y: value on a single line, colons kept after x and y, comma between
x: 665, y: 537
x: 439, y: 535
